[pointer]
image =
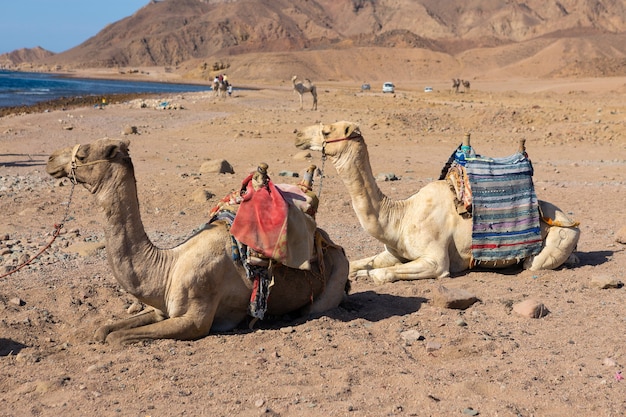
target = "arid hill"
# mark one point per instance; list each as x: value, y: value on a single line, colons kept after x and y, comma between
x: 24, y: 55
x: 263, y: 39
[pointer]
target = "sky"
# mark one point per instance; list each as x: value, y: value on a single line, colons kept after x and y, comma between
x: 58, y: 25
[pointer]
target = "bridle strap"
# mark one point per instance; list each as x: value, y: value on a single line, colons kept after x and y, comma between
x: 74, y: 163
x: 353, y: 135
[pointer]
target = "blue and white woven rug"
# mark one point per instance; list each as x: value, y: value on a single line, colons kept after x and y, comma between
x: 505, y: 209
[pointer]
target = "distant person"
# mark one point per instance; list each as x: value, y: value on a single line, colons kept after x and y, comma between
x: 230, y: 90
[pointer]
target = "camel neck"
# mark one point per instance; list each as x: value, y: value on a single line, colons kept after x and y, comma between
x: 134, y: 260
x: 370, y: 204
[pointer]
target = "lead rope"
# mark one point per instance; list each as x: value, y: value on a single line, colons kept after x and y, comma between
x: 57, y: 231
x: 319, y: 192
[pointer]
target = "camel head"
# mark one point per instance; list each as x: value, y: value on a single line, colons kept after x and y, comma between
x: 330, y: 139
x: 88, y: 164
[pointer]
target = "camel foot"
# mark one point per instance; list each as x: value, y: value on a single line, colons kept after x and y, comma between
x: 101, y: 334
x: 379, y: 276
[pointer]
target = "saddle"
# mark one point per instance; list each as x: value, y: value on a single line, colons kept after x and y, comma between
x: 499, y: 195
x: 271, y: 224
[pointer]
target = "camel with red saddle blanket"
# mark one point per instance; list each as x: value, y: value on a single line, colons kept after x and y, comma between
x: 198, y: 286
x: 424, y: 235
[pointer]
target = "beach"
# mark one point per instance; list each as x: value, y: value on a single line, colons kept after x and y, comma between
x: 355, y: 359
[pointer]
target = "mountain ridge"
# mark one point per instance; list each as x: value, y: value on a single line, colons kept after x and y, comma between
x: 198, y: 37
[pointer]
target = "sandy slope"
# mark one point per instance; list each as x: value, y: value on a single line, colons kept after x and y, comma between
x: 352, y: 361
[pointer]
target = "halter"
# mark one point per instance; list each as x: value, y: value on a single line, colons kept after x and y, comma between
x: 353, y: 135
x: 75, y: 164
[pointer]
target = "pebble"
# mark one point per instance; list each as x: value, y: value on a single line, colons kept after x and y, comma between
x: 609, y: 362
x: 432, y: 346
x: 605, y: 282
x: 288, y: 174
x: 17, y: 301
x: 454, y: 298
x: 531, y: 308
x: 411, y: 336
x: 387, y: 176
x: 217, y: 166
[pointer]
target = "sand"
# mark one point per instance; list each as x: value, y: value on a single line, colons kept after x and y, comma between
x: 355, y: 360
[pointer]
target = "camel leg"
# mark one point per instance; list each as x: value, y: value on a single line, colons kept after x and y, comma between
x: 180, y: 328
x: 385, y: 267
x: 421, y: 268
x: 559, y: 246
x: 314, y: 102
x: 195, y: 323
x: 381, y: 260
x: 142, y: 319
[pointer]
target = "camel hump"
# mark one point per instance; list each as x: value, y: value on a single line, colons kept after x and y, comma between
x: 553, y: 216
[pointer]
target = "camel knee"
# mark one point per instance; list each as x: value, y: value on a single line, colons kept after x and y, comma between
x: 558, y: 249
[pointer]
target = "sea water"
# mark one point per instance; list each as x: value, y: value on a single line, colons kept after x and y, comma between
x: 28, y: 88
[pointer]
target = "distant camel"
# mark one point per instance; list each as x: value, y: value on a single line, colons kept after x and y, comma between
x: 220, y: 87
x: 455, y: 85
x: 306, y: 87
x: 466, y: 86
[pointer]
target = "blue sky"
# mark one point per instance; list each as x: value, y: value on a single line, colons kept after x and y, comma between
x: 58, y: 25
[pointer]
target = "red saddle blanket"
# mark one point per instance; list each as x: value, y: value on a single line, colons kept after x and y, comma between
x: 267, y: 222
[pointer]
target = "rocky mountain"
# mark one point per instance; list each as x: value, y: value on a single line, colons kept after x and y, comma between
x: 414, y: 37
x: 24, y: 55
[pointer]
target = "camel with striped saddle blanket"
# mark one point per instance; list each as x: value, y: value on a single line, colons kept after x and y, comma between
x: 424, y: 235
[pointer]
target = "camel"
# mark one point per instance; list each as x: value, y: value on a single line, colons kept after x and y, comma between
x: 424, y: 236
x: 455, y: 85
x: 306, y: 87
x: 466, y: 86
x: 220, y: 88
x: 195, y: 287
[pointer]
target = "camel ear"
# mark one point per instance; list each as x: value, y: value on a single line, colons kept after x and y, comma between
x: 112, y: 150
x: 351, y: 129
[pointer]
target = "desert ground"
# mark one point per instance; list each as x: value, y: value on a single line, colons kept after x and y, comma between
x: 357, y: 359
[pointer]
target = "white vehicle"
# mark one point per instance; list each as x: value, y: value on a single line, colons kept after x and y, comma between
x: 388, y: 87
x: 428, y: 89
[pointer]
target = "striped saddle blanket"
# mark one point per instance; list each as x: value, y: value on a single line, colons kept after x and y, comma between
x: 505, y: 210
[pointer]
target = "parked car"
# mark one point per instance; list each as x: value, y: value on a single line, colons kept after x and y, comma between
x: 428, y: 89
x: 365, y: 87
x: 388, y: 87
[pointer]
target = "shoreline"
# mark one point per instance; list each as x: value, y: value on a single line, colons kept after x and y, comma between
x: 65, y: 103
